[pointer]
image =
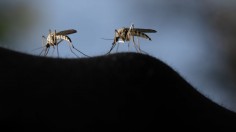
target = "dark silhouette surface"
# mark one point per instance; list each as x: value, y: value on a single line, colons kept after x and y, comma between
x: 117, y: 92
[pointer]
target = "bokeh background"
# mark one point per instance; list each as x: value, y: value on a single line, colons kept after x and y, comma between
x: 195, y: 37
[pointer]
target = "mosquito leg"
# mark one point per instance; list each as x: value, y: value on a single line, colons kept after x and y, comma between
x: 70, y: 45
x: 54, y: 34
x: 46, y: 51
x: 138, y: 45
x: 54, y: 37
x: 79, y: 50
x: 50, y: 35
x: 129, y: 34
x: 57, y: 51
x: 141, y: 51
x: 53, y: 50
x: 128, y: 46
x: 55, y: 41
x: 59, y: 42
x: 74, y: 52
x: 47, y: 48
x: 57, y: 48
x: 113, y: 45
x: 42, y: 51
x: 135, y: 46
x: 43, y: 38
x: 43, y: 44
x: 117, y: 47
x: 132, y: 25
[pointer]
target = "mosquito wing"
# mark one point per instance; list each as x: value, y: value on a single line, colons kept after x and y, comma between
x: 143, y: 30
x: 66, y: 32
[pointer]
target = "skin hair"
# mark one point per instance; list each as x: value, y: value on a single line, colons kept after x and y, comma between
x: 116, y: 92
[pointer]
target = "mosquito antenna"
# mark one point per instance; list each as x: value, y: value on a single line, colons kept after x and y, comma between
x: 38, y: 48
x: 42, y: 45
x: 106, y: 39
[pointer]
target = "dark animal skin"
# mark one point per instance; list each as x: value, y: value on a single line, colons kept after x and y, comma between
x: 118, y: 92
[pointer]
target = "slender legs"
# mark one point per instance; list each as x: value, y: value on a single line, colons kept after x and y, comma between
x: 128, y: 38
x: 72, y: 46
x: 54, y: 42
x: 113, y: 45
x: 43, y: 45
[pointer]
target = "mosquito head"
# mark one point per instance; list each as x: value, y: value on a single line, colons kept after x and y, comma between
x: 116, y: 33
x: 116, y: 39
x: 47, y: 45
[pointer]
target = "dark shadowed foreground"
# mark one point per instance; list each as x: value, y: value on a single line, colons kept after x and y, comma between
x: 119, y: 92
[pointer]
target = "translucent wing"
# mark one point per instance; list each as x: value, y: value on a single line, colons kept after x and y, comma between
x: 66, y: 32
x: 143, y: 30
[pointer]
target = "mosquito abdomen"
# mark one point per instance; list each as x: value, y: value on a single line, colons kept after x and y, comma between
x: 140, y: 34
x: 66, y: 38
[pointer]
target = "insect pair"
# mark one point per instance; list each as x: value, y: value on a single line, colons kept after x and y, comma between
x: 122, y: 35
x: 54, y: 38
x: 125, y: 34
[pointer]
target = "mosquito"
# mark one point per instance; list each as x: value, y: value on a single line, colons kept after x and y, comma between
x: 54, y: 38
x: 124, y: 34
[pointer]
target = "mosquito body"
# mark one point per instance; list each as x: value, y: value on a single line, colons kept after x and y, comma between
x: 126, y: 34
x: 54, y: 38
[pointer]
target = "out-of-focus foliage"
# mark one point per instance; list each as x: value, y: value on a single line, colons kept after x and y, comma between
x: 15, y: 19
x: 224, y: 22
x: 221, y: 18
